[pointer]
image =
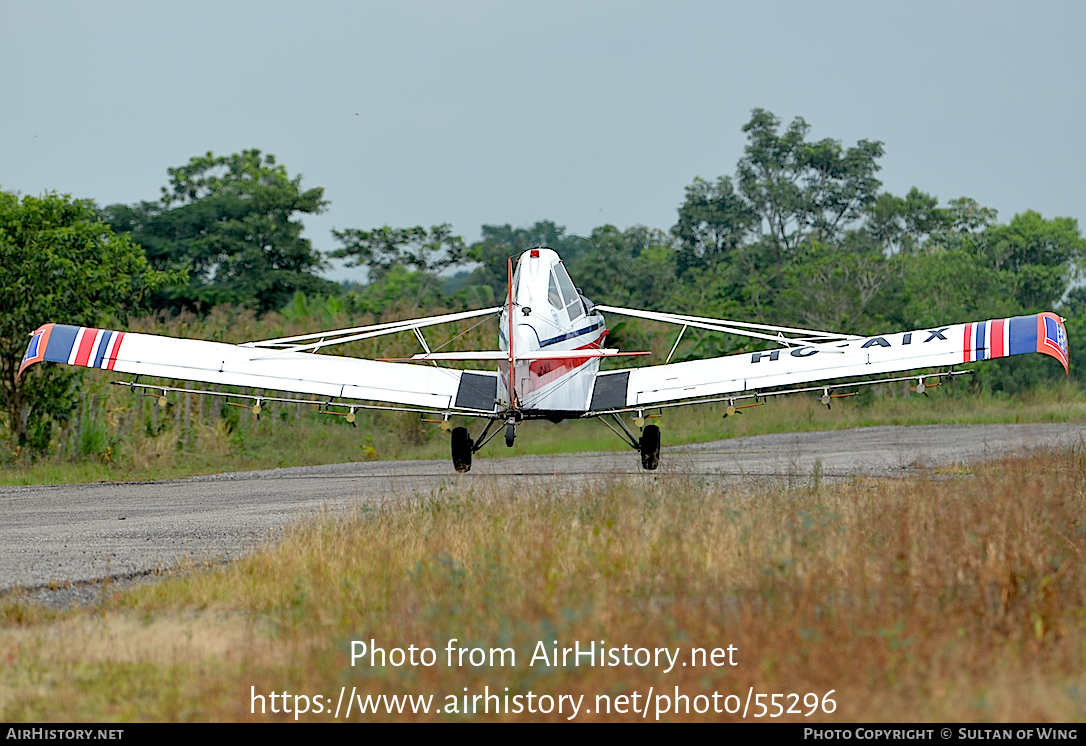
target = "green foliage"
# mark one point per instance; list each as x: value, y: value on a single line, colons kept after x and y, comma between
x: 713, y: 221
x: 229, y: 220
x: 801, y: 236
x: 784, y: 230
x: 798, y: 234
x: 500, y: 242
x: 901, y: 223
x: 1074, y: 308
x: 58, y: 263
x: 96, y: 440
x: 1042, y: 255
x: 406, y: 262
x: 831, y: 287
x: 401, y: 289
x: 793, y: 186
x: 949, y: 287
x: 635, y: 266
x: 326, y: 310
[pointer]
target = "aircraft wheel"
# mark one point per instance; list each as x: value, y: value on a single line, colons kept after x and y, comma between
x: 461, y: 449
x: 510, y: 434
x: 650, y: 447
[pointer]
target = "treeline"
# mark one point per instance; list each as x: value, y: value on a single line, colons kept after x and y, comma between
x: 799, y: 234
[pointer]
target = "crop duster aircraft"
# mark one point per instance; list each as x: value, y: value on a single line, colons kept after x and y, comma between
x: 551, y: 344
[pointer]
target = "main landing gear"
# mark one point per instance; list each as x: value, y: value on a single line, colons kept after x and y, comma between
x: 463, y: 447
x: 649, y: 445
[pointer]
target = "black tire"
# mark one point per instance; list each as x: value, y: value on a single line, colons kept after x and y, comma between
x: 510, y: 434
x: 461, y: 449
x: 650, y: 447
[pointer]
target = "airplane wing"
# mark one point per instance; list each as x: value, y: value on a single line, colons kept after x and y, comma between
x: 427, y: 387
x: 812, y: 359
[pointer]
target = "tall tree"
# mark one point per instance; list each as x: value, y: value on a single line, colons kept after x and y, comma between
x: 58, y: 263
x: 795, y: 187
x: 1042, y: 254
x: 426, y: 253
x: 232, y: 222
x: 903, y: 224
x: 499, y: 242
x: 634, y: 267
x: 831, y: 287
x: 713, y: 221
x: 770, y: 176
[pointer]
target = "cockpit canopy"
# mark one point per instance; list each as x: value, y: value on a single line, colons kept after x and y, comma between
x: 540, y: 277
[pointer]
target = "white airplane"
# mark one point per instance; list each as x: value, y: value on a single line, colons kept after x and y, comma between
x: 551, y: 343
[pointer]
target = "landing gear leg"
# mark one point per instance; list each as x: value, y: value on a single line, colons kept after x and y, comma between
x: 462, y: 446
x: 649, y: 445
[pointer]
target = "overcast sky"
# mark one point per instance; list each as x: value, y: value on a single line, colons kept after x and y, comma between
x: 510, y: 112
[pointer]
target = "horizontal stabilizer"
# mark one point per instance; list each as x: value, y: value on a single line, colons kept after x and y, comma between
x: 574, y: 354
x: 584, y: 354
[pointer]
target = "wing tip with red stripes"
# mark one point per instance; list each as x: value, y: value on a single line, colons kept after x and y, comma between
x: 1042, y: 332
x: 74, y: 345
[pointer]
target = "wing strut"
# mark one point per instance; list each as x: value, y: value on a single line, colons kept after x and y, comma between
x: 676, y: 345
x: 803, y: 337
x: 343, y: 336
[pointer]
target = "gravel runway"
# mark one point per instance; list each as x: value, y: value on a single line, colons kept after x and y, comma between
x: 62, y: 535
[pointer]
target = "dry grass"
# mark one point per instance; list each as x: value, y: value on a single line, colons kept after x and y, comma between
x: 960, y: 597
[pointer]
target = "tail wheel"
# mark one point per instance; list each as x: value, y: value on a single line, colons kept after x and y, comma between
x: 461, y: 449
x: 650, y: 447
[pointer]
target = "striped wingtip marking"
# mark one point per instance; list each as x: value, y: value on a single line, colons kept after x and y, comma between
x: 35, y: 351
x: 995, y: 338
x: 74, y: 345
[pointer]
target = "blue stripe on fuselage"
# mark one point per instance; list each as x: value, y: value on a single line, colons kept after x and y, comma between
x: 570, y: 335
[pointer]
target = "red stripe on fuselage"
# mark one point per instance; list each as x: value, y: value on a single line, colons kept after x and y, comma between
x: 543, y: 372
x: 86, y: 346
x: 967, y: 346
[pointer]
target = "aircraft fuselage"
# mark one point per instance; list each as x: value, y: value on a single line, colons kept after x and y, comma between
x: 548, y: 315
